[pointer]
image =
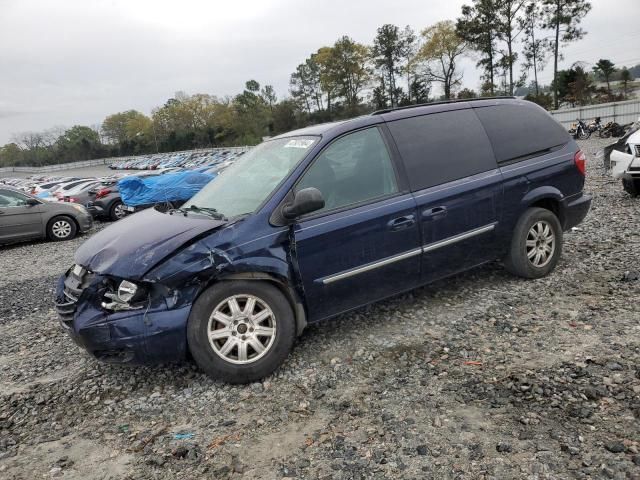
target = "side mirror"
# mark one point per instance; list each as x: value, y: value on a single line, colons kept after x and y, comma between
x: 32, y: 202
x: 305, y: 201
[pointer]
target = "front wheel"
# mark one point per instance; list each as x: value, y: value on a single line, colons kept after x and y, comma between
x: 61, y: 228
x: 241, y: 331
x: 536, y: 245
x: 583, y: 134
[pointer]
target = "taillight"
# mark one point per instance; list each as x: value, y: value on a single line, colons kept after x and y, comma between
x: 581, y: 162
x: 103, y: 192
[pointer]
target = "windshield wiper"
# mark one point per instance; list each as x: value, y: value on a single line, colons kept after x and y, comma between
x: 207, y: 210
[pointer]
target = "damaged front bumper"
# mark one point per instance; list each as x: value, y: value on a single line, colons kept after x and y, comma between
x: 625, y: 165
x: 155, y: 333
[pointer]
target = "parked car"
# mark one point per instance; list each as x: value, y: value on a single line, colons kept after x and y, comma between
x: 25, y: 217
x: 104, y: 201
x: 623, y: 158
x: 319, y: 221
x: 62, y: 190
x: 80, y: 193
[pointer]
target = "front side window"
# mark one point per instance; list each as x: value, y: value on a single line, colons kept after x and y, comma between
x: 250, y: 180
x: 355, y: 168
x: 12, y: 199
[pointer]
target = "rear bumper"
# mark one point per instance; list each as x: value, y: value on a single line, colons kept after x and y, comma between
x: 575, y: 210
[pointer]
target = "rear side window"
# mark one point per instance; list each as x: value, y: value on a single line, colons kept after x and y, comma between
x: 520, y: 131
x: 442, y: 147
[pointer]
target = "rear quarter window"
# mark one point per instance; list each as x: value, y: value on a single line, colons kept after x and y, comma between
x: 520, y: 130
x: 442, y: 147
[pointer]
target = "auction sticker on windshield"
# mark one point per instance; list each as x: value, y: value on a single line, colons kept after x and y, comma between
x: 299, y: 143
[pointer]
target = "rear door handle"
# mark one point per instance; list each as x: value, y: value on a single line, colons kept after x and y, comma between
x: 401, y: 223
x: 434, y: 213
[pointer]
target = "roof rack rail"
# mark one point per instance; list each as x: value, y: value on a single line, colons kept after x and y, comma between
x: 407, y: 107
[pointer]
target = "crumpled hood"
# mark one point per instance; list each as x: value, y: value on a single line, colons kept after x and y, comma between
x: 132, y: 246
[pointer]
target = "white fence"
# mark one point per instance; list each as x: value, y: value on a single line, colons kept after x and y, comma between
x: 621, y: 112
x: 108, y: 161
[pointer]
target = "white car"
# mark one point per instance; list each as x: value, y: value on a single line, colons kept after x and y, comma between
x: 624, y: 160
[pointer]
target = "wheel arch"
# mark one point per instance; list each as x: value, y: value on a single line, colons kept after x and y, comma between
x: 549, y: 198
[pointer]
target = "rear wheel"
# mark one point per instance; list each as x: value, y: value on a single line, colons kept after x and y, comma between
x: 240, y: 332
x: 61, y: 228
x: 117, y: 211
x: 536, y: 245
x: 631, y: 186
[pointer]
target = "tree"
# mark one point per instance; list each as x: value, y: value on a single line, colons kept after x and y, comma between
x: 387, y: 52
x: 269, y: 95
x: 347, y: 69
x: 563, y: 17
x: 305, y: 84
x: 605, y: 68
x: 466, y: 93
x: 441, y: 50
x: 625, y: 77
x: 409, y: 50
x: 420, y: 89
x: 508, y: 29
x: 574, y: 85
x: 535, y: 49
x: 477, y: 27
x: 79, y: 143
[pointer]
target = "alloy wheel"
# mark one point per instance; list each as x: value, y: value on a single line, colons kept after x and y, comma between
x: 540, y: 244
x: 119, y: 211
x: 242, y: 329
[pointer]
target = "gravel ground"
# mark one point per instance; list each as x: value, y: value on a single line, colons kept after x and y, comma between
x: 480, y: 376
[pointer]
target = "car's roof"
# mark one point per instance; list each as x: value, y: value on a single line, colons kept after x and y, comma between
x: 392, y: 114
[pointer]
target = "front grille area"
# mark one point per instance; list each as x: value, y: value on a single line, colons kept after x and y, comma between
x: 637, y: 147
x: 76, y: 282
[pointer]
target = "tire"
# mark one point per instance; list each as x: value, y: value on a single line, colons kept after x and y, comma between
x: 61, y: 228
x: 631, y: 186
x: 116, y: 212
x: 584, y: 134
x: 216, y: 356
x: 532, y: 227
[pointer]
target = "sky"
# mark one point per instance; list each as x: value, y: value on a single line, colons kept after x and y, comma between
x: 70, y: 62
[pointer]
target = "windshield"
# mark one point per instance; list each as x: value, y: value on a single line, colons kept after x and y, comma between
x: 243, y: 186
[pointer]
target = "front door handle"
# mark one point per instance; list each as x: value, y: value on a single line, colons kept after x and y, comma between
x: 401, y: 223
x: 434, y: 213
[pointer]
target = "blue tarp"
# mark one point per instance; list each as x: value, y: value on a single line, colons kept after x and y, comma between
x: 171, y: 187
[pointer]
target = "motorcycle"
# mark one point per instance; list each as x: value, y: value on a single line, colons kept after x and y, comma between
x: 595, y: 126
x: 580, y: 130
x: 613, y: 129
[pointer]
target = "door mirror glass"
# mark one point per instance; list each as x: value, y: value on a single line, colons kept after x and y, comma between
x: 306, y: 201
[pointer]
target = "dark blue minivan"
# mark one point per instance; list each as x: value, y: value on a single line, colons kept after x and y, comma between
x: 323, y: 220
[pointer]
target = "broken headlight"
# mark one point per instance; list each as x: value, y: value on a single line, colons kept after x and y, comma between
x: 123, y: 297
x: 126, y: 291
